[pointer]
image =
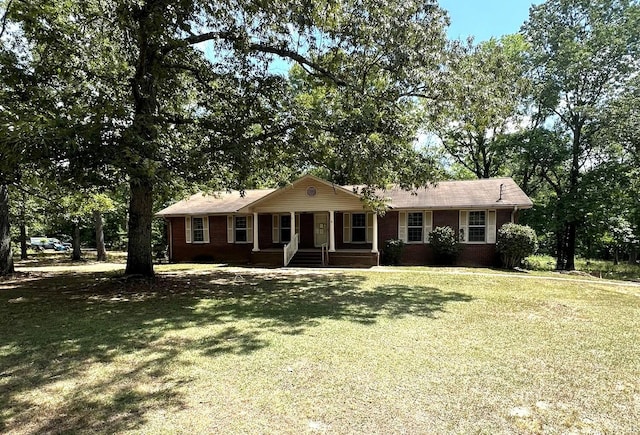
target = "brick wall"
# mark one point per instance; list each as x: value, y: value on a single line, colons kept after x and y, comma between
x: 419, y: 253
x: 217, y: 250
x: 265, y: 232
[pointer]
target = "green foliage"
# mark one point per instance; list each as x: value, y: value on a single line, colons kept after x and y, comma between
x: 619, y: 236
x: 539, y: 263
x: 444, y: 244
x: 166, y: 93
x: 582, y: 55
x: 515, y: 242
x: 486, y: 88
x: 359, y: 137
x: 393, y: 250
x: 594, y: 267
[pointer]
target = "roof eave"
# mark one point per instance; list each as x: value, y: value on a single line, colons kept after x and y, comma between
x: 461, y: 206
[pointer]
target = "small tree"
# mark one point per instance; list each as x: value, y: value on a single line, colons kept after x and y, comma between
x: 619, y: 237
x: 514, y: 243
x: 445, y: 245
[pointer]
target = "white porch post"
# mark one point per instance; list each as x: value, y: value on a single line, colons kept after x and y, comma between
x: 293, y: 225
x: 256, y: 243
x: 374, y: 242
x: 332, y: 232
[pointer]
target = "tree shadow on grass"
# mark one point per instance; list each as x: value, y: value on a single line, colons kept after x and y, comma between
x: 68, y: 334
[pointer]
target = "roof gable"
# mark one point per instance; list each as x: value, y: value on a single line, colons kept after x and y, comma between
x: 307, y: 193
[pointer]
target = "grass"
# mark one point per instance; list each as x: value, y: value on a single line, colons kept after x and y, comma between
x: 597, y: 268
x: 230, y: 350
x: 50, y: 257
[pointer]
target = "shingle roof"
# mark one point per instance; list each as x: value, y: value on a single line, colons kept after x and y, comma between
x: 222, y: 203
x: 485, y: 193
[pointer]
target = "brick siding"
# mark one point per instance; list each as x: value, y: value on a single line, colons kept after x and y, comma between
x: 218, y: 250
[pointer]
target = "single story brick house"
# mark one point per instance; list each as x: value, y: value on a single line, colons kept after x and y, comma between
x: 312, y: 221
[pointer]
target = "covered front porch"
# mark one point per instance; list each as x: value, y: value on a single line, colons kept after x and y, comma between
x: 319, y: 238
x: 313, y: 214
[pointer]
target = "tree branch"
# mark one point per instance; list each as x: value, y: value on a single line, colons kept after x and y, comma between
x: 50, y: 201
x: 5, y: 18
x: 290, y: 54
x: 260, y: 48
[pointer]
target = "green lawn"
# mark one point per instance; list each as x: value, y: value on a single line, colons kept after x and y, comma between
x: 218, y: 350
x: 598, y: 268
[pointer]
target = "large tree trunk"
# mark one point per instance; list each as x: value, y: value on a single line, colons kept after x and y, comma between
x: 561, y: 251
x: 574, y: 178
x: 139, y: 258
x: 571, y: 246
x: 101, y: 251
x: 6, y: 256
x: 143, y: 140
x: 23, y: 241
x: 77, y: 252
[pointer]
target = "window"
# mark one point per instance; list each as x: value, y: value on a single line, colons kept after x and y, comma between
x: 477, y: 226
x: 241, y: 228
x: 285, y: 228
x: 358, y: 227
x: 197, y: 225
x: 414, y: 227
x: 196, y: 229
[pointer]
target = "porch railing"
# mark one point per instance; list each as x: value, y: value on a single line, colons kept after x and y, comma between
x: 290, y: 249
x: 324, y: 250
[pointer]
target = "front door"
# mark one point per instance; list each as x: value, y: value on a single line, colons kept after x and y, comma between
x: 321, y: 228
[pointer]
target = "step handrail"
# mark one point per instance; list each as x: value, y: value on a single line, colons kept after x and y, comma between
x: 324, y: 250
x: 290, y: 249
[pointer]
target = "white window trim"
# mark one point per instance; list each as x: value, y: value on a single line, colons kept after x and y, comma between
x: 403, y: 226
x: 275, y: 228
x: 415, y: 242
x: 189, y: 230
x: 490, y: 217
x: 194, y: 229
x: 231, y: 229
x: 347, y: 226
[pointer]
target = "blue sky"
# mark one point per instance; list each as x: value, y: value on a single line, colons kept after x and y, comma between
x: 485, y: 18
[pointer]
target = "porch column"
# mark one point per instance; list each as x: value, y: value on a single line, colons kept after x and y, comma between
x: 256, y: 244
x: 332, y: 232
x: 293, y: 225
x: 374, y: 242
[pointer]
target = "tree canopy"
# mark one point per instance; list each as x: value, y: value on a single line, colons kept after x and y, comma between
x: 157, y: 91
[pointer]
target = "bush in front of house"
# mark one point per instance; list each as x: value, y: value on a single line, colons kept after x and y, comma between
x: 444, y: 244
x: 514, y: 243
x: 392, y: 253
